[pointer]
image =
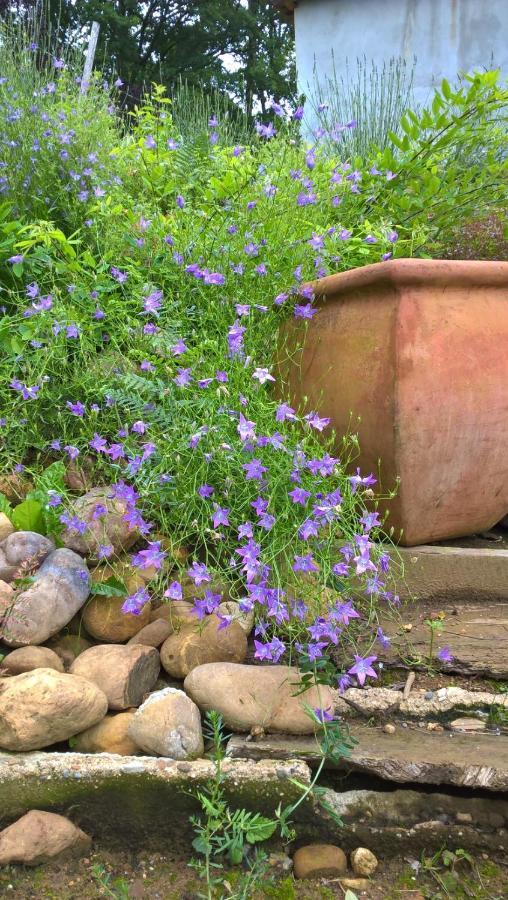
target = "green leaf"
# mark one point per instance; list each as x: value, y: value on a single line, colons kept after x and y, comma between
x: 28, y: 516
x: 111, y: 587
x: 201, y: 845
x: 260, y: 829
x: 350, y: 895
x: 446, y: 89
x: 5, y: 506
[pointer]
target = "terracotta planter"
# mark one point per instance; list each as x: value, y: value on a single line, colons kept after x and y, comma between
x: 413, y: 355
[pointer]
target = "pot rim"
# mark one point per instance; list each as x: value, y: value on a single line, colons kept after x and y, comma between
x: 410, y: 271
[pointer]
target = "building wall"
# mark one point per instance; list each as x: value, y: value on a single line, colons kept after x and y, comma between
x: 445, y: 36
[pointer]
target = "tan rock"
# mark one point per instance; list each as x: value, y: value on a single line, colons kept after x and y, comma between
x: 152, y: 635
x: 389, y: 728
x: 124, y: 673
x: 168, y: 724
x: 43, y: 707
x: 176, y: 613
x: 108, y: 736
x: 467, y: 724
x: 247, y: 696
x: 122, y: 569
x: 6, y: 526
x: 25, y: 659
x: 363, y: 884
x: 39, y: 837
x: 104, y: 620
x: 319, y: 861
x: 110, y: 529
x: 244, y: 619
x: 205, y: 642
x: 363, y: 862
x: 15, y: 486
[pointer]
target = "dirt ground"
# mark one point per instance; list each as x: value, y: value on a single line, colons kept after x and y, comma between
x: 168, y: 877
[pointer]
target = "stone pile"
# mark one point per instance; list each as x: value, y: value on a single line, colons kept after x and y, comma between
x: 77, y: 669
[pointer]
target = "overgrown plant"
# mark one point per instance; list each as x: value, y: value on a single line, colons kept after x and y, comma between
x: 227, y: 836
x: 140, y: 328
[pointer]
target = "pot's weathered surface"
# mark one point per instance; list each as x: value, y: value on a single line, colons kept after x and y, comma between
x: 413, y: 356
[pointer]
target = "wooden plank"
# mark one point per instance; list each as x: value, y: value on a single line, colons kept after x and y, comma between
x: 477, y: 635
x: 410, y: 755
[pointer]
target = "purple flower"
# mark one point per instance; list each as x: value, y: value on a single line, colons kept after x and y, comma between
x: 357, y: 480
x: 344, y: 681
x: 298, y: 495
x: 135, y: 602
x: 298, y: 114
x: 245, y: 429
x: 445, y: 655
x: 362, y: 668
x: 118, y: 275
x: 199, y: 573
x: 304, y: 563
x: 254, y: 470
x: 220, y: 516
x: 98, y: 443
x: 17, y: 258
x: 235, y: 339
x: 213, y: 278
x: 316, y: 421
x: 152, y: 303
x: 105, y: 551
x: 285, y: 412
x: 205, y: 491
x: 174, y: 591
x: 152, y: 556
x: 180, y: 202
x: 77, y: 409
x: 179, y: 348
x: 150, y: 142
x: 323, y: 715
x: 183, y: 377
x: 262, y: 375
x: 304, y: 311
x: 265, y: 131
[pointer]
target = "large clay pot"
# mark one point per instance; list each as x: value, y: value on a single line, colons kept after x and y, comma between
x: 413, y: 356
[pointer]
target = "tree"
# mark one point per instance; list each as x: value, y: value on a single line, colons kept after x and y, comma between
x: 240, y: 46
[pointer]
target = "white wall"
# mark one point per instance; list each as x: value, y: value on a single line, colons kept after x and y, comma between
x: 446, y: 36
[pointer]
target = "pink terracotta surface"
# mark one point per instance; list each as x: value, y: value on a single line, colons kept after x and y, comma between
x: 413, y: 356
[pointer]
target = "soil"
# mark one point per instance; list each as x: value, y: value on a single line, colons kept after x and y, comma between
x: 158, y: 877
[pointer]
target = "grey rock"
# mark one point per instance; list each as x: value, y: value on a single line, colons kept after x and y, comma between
x: 168, y: 723
x: 71, y: 567
x: 39, y: 612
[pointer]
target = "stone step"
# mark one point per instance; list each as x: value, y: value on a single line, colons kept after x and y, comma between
x: 410, y: 755
x: 144, y: 803
x: 476, y: 633
x: 138, y: 798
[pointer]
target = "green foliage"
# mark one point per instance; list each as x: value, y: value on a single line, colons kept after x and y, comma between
x: 111, y: 587
x: 28, y: 516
